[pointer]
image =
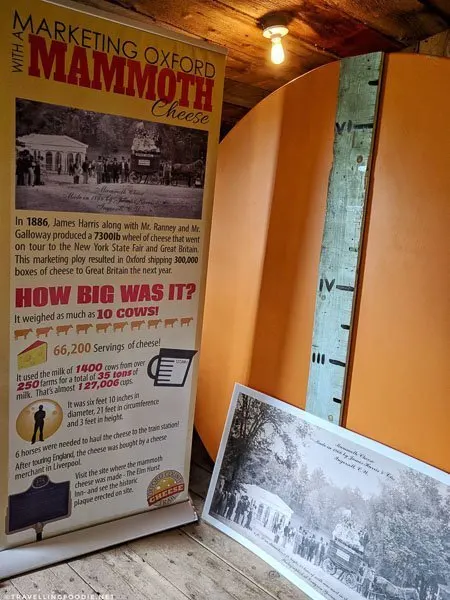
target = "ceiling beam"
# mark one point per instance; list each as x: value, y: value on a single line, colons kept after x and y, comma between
x: 403, y: 20
x: 242, y: 94
x: 248, y: 58
x: 320, y: 24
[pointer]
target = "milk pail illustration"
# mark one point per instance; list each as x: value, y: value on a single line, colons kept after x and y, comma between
x: 170, y: 367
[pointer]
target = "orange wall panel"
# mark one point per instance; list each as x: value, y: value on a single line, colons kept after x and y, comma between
x: 238, y: 239
x: 283, y: 330
x: 269, y: 211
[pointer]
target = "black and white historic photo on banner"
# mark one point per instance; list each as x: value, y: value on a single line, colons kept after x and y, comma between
x: 74, y: 160
x: 341, y: 516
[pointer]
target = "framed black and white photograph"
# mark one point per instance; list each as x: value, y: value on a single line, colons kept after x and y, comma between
x: 341, y: 516
x: 73, y: 160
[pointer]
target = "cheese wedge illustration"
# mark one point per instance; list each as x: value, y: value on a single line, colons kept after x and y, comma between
x: 34, y: 355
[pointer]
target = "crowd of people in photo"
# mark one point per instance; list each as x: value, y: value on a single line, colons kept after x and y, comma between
x: 241, y: 510
x: 147, y: 168
x: 104, y: 170
x: 29, y: 169
x: 235, y: 507
x: 310, y: 547
x: 295, y: 540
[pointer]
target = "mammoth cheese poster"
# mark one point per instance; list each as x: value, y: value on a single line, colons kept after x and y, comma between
x: 341, y: 516
x: 109, y: 137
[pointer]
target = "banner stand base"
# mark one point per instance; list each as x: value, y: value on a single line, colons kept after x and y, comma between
x: 17, y: 561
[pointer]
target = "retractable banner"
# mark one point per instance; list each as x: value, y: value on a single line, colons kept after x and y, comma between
x: 109, y: 136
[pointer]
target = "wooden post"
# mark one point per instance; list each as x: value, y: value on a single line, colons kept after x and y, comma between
x: 348, y: 188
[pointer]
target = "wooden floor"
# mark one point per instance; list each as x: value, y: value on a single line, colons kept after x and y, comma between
x: 195, y: 561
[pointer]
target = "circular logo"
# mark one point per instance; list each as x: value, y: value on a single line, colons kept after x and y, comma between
x: 164, y: 488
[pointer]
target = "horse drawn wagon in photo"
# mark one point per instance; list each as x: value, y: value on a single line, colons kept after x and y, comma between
x: 191, y: 174
x: 344, y: 562
x: 145, y: 162
x: 383, y: 589
x: 145, y: 167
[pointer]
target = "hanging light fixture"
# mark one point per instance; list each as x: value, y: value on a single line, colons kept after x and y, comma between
x: 274, y: 26
x: 275, y: 35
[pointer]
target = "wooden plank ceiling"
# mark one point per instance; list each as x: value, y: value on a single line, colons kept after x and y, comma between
x: 320, y: 31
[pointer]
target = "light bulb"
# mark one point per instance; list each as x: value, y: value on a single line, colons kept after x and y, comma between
x: 277, y: 53
x: 275, y: 33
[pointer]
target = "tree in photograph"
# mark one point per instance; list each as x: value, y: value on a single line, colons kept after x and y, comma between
x: 409, y: 532
x: 300, y: 488
x: 180, y: 145
x: 107, y: 135
x: 74, y: 125
x: 253, y: 429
